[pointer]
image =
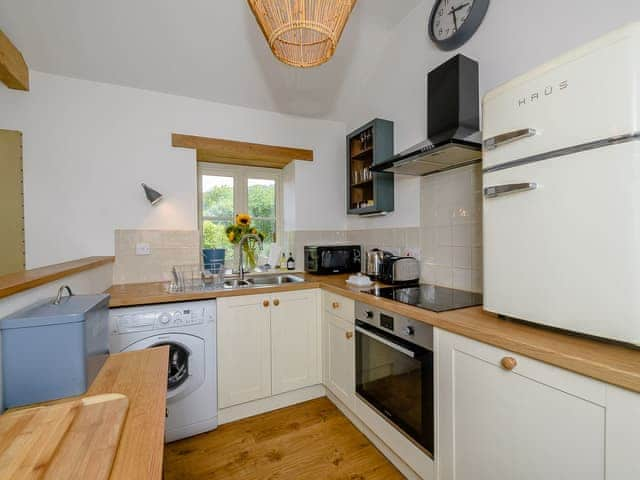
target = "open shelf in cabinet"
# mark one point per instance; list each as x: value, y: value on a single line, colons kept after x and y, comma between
x: 369, y: 192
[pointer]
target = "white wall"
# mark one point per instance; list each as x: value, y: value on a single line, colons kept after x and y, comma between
x: 87, y: 147
x: 516, y: 36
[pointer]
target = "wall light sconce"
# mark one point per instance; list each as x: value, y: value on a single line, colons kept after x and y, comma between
x: 153, y: 196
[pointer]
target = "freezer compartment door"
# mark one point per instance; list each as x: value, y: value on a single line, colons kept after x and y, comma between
x: 566, y: 252
x: 589, y: 94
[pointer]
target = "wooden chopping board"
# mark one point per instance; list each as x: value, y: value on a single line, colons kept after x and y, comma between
x: 77, y: 439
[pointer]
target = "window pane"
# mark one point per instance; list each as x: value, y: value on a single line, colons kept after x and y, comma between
x: 268, y: 227
x: 262, y: 198
x: 213, y: 236
x: 217, y: 196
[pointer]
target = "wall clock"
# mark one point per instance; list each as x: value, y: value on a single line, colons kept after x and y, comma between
x: 453, y: 22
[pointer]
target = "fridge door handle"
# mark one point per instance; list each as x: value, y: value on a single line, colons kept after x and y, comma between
x: 497, y: 190
x: 504, y: 138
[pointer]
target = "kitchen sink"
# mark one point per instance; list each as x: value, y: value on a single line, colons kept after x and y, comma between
x: 265, y: 280
x: 262, y: 281
x: 235, y: 283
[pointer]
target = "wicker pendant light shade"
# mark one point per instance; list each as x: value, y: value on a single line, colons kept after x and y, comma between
x: 302, y: 33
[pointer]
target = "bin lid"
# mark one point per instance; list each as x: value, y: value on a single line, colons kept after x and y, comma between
x: 71, y: 309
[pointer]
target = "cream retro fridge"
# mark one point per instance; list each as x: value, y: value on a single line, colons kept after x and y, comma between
x: 561, y: 185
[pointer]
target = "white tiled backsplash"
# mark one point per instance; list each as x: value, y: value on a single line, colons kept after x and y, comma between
x: 451, y: 228
x: 168, y: 248
x: 399, y: 241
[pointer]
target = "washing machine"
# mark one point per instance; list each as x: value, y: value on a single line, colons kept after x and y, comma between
x: 189, y: 329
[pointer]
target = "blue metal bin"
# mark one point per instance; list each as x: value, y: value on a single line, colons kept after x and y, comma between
x: 52, y: 351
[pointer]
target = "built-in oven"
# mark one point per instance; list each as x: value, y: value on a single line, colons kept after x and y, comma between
x: 394, y: 371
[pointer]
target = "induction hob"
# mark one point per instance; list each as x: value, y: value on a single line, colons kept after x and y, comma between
x: 429, y: 297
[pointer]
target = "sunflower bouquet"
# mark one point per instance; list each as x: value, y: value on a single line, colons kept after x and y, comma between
x: 239, y: 229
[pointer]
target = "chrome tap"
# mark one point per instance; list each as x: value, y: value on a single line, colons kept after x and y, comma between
x: 246, y: 237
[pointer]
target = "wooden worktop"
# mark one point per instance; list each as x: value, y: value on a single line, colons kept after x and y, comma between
x: 20, y: 281
x: 612, y: 363
x: 141, y: 376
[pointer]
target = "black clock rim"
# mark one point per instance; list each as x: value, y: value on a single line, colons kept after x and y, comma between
x: 462, y: 36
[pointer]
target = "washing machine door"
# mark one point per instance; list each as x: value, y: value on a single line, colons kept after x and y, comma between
x: 186, y: 361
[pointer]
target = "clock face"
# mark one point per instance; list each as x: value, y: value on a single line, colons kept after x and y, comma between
x: 449, y: 17
x: 453, y: 22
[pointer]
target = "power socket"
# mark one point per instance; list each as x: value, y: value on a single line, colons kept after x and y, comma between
x: 143, y: 249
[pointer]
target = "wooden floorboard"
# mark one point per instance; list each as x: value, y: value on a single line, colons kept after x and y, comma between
x: 311, y: 440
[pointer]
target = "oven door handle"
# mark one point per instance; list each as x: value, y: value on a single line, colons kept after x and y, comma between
x: 386, y: 342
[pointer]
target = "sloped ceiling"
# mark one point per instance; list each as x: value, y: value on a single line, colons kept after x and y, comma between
x: 207, y: 49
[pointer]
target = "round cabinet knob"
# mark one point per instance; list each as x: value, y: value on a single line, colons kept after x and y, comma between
x: 508, y: 363
x: 335, y: 305
x: 348, y: 335
x: 276, y: 302
x: 409, y: 330
x: 369, y: 314
x: 265, y: 303
x: 164, y: 318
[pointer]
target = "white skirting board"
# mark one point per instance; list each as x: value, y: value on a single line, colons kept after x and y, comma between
x: 249, y: 409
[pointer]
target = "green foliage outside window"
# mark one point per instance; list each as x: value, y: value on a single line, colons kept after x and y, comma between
x: 217, y: 202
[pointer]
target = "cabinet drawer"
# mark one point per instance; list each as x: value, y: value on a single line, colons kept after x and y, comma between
x: 555, y: 377
x: 339, y: 306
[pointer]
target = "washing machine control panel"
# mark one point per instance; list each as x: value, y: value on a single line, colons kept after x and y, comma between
x: 160, y: 319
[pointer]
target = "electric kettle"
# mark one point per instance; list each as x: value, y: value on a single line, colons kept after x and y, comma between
x: 375, y: 258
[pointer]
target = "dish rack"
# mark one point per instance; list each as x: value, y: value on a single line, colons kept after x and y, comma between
x: 188, y: 278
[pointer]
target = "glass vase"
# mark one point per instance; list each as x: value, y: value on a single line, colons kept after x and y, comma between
x: 249, y: 257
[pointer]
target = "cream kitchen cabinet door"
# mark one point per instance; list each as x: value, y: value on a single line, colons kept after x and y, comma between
x: 340, y: 358
x: 338, y: 305
x: 295, y: 340
x: 244, y: 349
x: 501, y: 415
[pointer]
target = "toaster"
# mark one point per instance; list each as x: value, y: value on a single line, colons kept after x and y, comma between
x: 397, y: 270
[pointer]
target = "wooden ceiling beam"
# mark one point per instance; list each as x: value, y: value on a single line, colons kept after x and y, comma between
x: 240, y: 153
x: 210, y: 157
x: 14, y: 71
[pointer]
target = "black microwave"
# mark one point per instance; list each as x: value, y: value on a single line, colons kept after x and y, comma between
x: 332, y: 259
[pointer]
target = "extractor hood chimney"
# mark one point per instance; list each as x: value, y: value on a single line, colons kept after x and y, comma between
x: 453, y: 121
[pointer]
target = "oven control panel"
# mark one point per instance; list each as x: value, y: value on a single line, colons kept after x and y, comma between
x: 386, y: 321
x: 408, y: 329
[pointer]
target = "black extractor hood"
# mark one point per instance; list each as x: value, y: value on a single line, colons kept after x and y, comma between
x: 452, y: 120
